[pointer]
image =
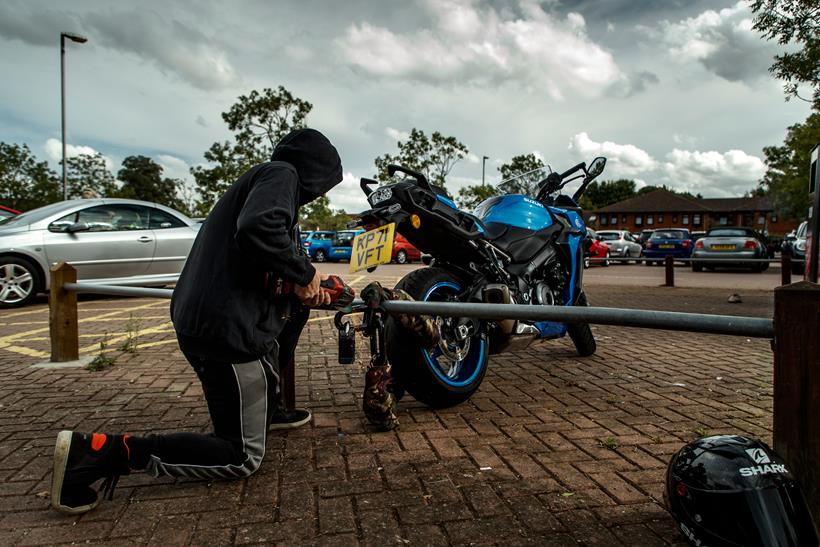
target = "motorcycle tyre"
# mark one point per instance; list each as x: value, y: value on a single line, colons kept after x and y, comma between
x: 580, y: 333
x: 404, y: 352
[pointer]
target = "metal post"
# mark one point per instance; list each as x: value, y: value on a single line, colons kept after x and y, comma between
x: 80, y: 40
x: 813, y: 231
x: 669, y: 262
x: 62, y: 306
x: 62, y: 107
x: 483, y: 162
x: 796, y: 421
x: 785, y: 268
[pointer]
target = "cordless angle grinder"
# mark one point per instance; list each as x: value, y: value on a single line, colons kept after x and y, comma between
x: 341, y: 294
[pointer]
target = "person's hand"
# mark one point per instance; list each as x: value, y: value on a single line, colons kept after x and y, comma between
x: 312, y: 294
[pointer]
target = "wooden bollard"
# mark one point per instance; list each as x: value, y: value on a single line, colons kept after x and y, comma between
x: 785, y: 268
x: 669, y: 263
x: 796, y: 348
x: 62, y: 304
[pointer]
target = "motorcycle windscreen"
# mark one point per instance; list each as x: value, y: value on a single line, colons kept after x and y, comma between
x: 766, y: 517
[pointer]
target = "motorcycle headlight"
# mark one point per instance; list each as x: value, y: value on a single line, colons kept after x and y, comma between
x: 801, y: 245
x: 379, y: 195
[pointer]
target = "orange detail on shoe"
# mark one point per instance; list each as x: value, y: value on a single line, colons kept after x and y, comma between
x: 97, y: 441
x: 127, y: 448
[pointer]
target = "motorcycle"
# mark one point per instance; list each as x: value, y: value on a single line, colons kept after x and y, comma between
x: 513, y: 249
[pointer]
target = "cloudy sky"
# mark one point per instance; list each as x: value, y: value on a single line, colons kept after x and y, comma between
x: 673, y: 92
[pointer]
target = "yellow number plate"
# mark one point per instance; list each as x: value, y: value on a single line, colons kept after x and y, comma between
x: 372, y: 248
x: 723, y: 247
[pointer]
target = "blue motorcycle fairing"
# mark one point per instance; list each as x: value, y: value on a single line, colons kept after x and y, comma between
x: 515, y: 210
x: 575, y: 220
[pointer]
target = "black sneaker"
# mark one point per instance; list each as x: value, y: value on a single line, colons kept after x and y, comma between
x: 80, y: 460
x: 288, y: 419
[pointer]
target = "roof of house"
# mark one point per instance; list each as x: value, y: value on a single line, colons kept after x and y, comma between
x: 664, y: 201
x: 657, y: 201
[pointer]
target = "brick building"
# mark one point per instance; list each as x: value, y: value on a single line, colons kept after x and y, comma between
x: 664, y: 209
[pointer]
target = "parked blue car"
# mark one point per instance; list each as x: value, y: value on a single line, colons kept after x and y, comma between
x: 317, y: 245
x: 342, y: 245
x: 669, y: 241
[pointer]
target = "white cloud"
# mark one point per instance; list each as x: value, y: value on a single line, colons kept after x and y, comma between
x: 622, y: 159
x: 54, y: 152
x: 479, y: 45
x: 348, y: 195
x: 722, y: 41
x: 713, y: 173
x: 174, y: 167
x: 396, y: 134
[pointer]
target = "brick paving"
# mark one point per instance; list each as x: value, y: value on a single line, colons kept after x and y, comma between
x: 552, y: 450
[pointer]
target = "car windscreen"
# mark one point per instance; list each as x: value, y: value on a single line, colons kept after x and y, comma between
x: 670, y: 234
x: 728, y: 232
x: 608, y: 237
x: 35, y: 215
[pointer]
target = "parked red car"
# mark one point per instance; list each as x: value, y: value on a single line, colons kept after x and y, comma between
x: 6, y: 212
x: 597, y: 249
x: 403, y: 251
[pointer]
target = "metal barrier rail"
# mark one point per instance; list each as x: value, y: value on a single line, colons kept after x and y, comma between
x: 754, y: 327
x: 117, y: 290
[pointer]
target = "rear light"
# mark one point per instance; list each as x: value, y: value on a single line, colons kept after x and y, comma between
x: 750, y: 244
x: 306, y: 244
x: 686, y: 244
x: 699, y: 244
x: 648, y: 244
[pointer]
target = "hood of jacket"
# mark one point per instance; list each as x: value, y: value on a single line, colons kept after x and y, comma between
x: 315, y: 159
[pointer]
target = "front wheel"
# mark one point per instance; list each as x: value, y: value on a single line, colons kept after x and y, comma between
x: 401, y: 257
x: 450, y: 372
x: 580, y: 333
x: 605, y: 263
x: 320, y: 256
x: 19, y: 282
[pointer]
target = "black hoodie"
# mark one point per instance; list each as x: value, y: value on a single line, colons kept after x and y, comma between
x: 221, y: 307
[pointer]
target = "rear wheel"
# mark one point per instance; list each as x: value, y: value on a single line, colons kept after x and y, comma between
x: 401, y: 257
x: 320, y: 256
x: 580, y: 333
x: 697, y: 267
x: 19, y: 282
x: 605, y: 263
x: 448, y: 373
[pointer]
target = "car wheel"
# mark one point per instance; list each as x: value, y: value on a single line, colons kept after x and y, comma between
x: 586, y: 262
x: 401, y: 257
x: 19, y: 282
x: 605, y: 263
x: 697, y: 267
x: 320, y: 256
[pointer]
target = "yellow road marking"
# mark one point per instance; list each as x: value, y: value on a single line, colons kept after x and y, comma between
x: 136, y: 334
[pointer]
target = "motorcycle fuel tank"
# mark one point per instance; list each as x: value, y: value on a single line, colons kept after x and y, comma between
x: 515, y: 210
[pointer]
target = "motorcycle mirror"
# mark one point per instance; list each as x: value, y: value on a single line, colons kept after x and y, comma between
x: 596, y: 167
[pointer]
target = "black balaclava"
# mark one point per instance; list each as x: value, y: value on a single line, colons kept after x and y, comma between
x: 315, y: 159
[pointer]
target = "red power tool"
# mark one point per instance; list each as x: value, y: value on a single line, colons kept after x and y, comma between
x: 341, y: 294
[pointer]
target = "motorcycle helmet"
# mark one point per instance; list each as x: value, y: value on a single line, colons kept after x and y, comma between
x: 732, y: 490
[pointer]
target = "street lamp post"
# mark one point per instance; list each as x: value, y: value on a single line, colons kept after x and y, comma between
x: 483, y: 162
x: 80, y: 40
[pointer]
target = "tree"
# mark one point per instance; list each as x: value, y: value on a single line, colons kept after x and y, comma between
x: 89, y: 173
x: 787, y: 168
x: 318, y: 215
x: 607, y: 192
x: 258, y: 121
x: 26, y: 183
x: 142, y: 179
x: 527, y: 171
x: 434, y: 157
x: 793, y: 22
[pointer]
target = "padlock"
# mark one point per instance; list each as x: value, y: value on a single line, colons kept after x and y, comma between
x: 347, y: 344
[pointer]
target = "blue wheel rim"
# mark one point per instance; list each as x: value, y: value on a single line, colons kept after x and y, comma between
x: 458, y: 373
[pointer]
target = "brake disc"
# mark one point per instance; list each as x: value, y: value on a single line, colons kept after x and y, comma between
x: 448, y: 341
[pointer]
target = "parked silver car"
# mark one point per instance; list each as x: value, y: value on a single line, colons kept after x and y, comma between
x: 107, y: 240
x: 732, y: 246
x: 621, y: 244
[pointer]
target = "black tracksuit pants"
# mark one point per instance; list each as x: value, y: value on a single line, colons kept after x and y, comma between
x: 241, y: 398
